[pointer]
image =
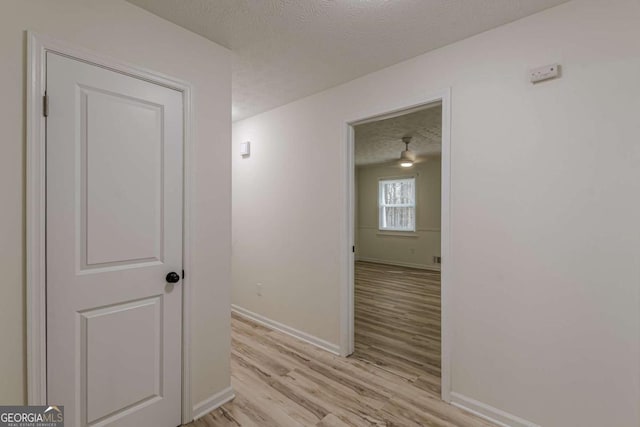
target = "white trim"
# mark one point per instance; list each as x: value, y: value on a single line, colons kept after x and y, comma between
x: 398, y: 233
x: 446, y: 266
x: 413, y: 106
x: 212, y: 403
x: 36, y: 251
x: 187, y: 99
x: 399, y: 263
x: 272, y: 324
x: 418, y: 230
x: 38, y: 46
x: 347, y: 289
x: 347, y: 336
x: 496, y: 416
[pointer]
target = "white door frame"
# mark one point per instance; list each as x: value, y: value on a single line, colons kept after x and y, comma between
x: 347, y: 311
x: 38, y: 46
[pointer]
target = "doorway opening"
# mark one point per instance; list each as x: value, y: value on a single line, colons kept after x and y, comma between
x: 398, y: 226
x: 397, y: 250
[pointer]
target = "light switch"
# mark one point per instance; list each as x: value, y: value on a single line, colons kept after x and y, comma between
x: 245, y: 149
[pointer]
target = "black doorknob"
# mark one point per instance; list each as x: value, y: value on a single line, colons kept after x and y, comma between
x: 173, y: 277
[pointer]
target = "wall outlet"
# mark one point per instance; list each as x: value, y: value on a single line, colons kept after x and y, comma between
x: 547, y: 72
x: 259, y: 289
x: 437, y: 260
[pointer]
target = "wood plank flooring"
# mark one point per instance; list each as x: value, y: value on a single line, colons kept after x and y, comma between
x: 281, y: 381
x: 397, y: 321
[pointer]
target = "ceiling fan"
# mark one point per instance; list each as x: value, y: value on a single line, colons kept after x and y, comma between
x: 407, y: 157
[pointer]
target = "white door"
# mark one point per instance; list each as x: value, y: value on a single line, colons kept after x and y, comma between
x: 114, y: 232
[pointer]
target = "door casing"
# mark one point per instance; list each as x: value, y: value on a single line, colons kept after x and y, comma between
x: 37, y: 47
x: 347, y: 288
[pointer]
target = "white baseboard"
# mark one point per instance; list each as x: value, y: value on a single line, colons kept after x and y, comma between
x: 489, y: 413
x: 400, y: 264
x: 214, y: 402
x: 272, y: 324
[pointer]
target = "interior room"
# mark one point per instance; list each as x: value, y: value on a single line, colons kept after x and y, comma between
x: 397, y: 245
x: 183, y: 214
x: 378, y: 150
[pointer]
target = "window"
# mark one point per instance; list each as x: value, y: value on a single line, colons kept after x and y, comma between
x: 397, y: 203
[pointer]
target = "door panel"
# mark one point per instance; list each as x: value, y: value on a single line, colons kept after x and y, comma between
x: 114, y: 230
x: 121, y: 211
x: 112, y: 360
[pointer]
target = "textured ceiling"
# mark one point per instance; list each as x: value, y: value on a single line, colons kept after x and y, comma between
x: 287, y: 49
x: 381, y: 141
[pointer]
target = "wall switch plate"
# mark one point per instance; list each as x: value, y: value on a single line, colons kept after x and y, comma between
x: 547, y: 72
x: 259, y: 289
x: 245, y: 148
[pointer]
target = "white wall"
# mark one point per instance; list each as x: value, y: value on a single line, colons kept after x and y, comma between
x: 410, y: 249
x: 545, y: 287
x: 129, y: 34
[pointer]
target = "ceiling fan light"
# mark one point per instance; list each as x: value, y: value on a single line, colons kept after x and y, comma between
x: 407, y: 157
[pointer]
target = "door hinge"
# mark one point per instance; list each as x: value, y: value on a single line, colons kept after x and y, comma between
x: 45, y: 105
x: 182, y: 274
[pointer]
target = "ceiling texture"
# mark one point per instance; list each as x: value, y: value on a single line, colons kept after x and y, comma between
x: 380, y: 142
x: 287, y: 49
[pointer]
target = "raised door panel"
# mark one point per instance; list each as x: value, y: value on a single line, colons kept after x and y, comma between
x: 120, y: 372
x: 121, y: 186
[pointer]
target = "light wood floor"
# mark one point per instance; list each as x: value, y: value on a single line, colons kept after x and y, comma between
x: 280, y: 381
x: 397, y: 322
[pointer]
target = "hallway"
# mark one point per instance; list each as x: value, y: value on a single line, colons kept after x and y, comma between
x: 392, y: 379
